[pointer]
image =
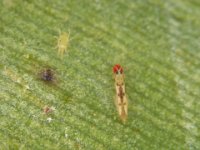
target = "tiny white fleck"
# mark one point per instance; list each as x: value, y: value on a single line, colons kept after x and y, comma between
x: 49, y: 119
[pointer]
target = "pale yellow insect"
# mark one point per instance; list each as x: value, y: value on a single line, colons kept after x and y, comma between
x: 121, y: 100
x: 63, y: 43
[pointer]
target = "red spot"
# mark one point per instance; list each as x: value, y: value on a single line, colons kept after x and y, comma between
x: 47, y: 110
x: 117, y: 69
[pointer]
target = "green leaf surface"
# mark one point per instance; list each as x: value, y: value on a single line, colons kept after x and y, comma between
x: 156, y: 42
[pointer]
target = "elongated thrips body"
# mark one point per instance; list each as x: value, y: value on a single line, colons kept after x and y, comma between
x: 121, y: 99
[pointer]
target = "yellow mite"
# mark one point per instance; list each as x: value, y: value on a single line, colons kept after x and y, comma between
x: 121, y: 100
x: 63, y: 43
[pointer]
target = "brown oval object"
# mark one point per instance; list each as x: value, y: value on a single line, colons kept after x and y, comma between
x: 48, y: 110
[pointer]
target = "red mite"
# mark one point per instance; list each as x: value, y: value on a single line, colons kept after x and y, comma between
x: 120, y: 99
x: 48, y: 110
